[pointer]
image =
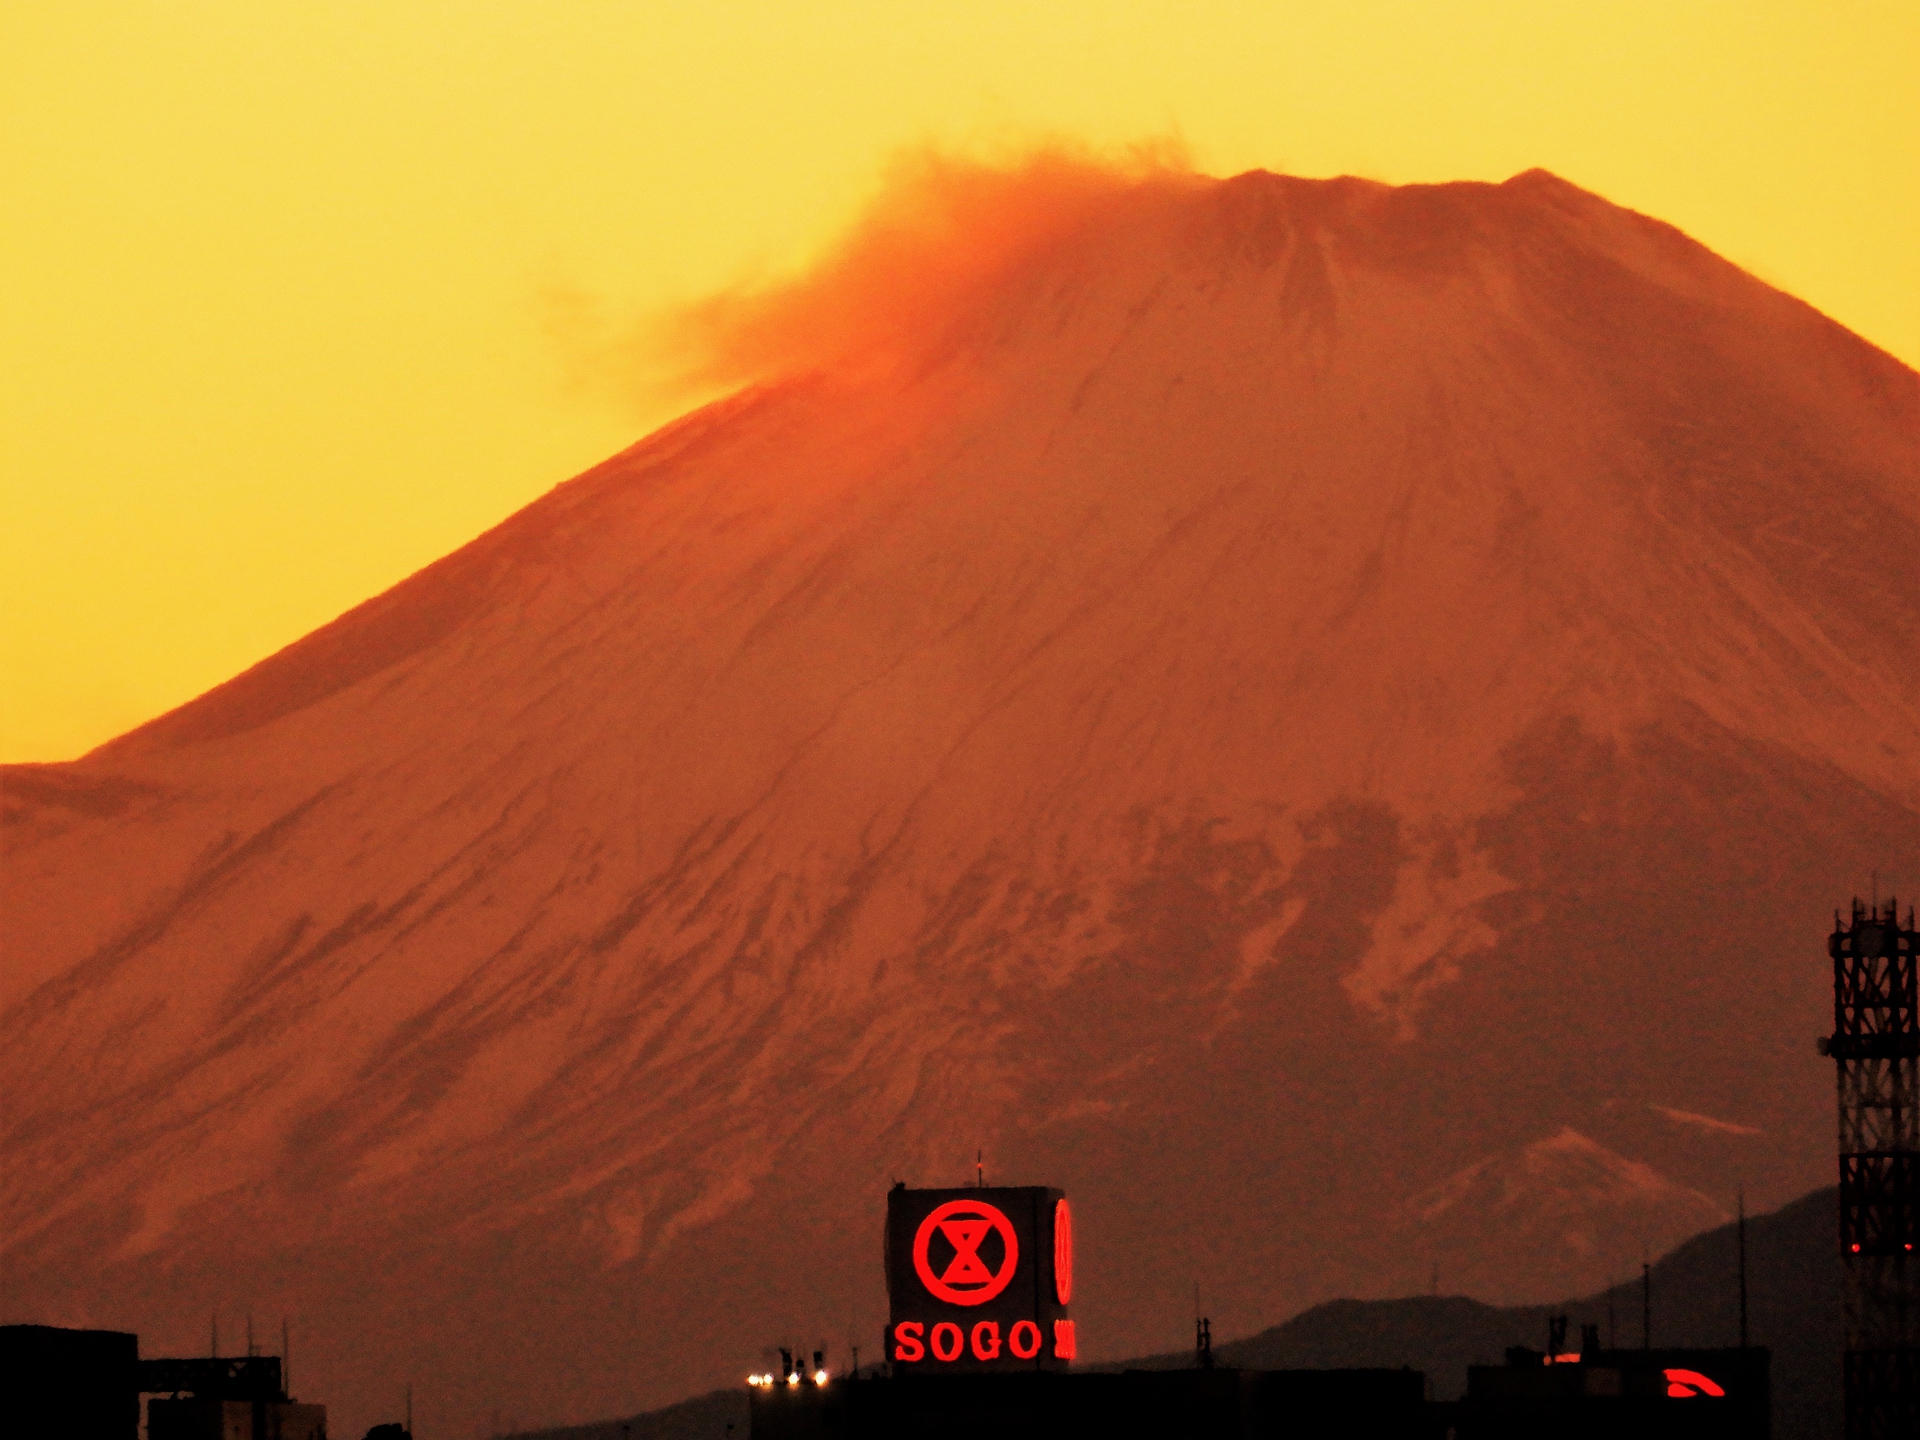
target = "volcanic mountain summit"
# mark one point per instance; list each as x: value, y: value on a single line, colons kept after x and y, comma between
x: 1282, y: 691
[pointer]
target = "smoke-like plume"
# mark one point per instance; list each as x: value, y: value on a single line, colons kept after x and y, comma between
x: 940, y: 230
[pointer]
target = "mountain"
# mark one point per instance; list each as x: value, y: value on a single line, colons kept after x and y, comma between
x: 1270, y: 692
x: 1561, y: 1212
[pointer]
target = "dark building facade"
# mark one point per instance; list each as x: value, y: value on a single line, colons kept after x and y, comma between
x: 74, y: 1384
x: 1628, y: 1394
x: 60, y: 1384
x: 1603, y: 1395
x: 234, y: 1420
x: 1048, y: 1405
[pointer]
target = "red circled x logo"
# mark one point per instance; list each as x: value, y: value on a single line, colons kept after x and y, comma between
x: 965, y: 1224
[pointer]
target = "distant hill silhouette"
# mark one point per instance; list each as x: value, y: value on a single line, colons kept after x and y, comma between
x: 1793, y: 1307
x: 713, y: 1416
x: 1793, y: 1282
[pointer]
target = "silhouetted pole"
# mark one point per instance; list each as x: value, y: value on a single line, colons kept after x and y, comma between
x: 1646, y: 1306
x: 1743, y: 1269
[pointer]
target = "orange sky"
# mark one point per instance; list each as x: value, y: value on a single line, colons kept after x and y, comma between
x: 298, y: 297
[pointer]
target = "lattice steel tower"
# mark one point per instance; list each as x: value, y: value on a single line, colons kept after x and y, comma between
x: 1876, y: 1047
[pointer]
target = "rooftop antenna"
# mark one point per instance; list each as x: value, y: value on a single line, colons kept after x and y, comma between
x: 1743, y: 1267
x: 251, y: 1351
x: 409, y: 1410
x: 1202, y: 1333
x: 980, y: 1169
x: 286, y: 1360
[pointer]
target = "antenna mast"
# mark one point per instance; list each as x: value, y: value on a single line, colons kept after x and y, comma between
x: 1646, y: 1306
x: 1875, y: 1047
x: 1743, y: 1267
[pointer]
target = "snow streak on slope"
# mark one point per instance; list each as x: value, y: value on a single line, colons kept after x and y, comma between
x: 1295, y: 686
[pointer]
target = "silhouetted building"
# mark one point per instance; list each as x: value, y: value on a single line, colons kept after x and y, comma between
x: 216, y: 1377
x: 1629, y: 1394
x: 236, y: 1397
x: 60, y: 1384
x: 1046, y: 1405
x: 235, y: 1420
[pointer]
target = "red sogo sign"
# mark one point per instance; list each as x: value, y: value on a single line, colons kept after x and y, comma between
x: 979, y: 1279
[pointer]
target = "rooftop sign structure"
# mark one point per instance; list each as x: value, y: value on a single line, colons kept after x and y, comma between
x: 979, y: 1279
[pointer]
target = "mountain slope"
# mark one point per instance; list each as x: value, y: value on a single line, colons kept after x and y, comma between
x: 1287, y: 688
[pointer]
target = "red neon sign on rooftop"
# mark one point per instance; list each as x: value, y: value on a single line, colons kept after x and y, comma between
x: 980, y: 1279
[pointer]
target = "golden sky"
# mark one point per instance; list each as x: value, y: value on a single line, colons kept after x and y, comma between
x: 291, y: 293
